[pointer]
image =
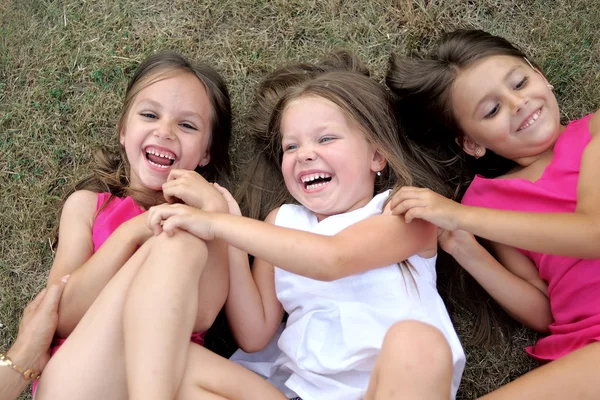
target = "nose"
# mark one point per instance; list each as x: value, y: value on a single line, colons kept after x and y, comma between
x: 164, y: 130
x: 306, y: 154
x: 518, y: 101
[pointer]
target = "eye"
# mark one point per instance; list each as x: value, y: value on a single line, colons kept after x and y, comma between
x: 522, y: 83
x: 188, y: 126
x: 290, y: 147
x: 492, y: 112
x: 148, y: 115
x: 326, y: 139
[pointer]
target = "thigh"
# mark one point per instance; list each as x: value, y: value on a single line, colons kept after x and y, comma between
x: 207, y: 373
x: 574, y: 376
x: 90, y: 364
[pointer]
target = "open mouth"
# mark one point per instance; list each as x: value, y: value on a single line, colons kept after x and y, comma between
x: 313, y: 181
x: 159, y: 158
x: 531, y: 120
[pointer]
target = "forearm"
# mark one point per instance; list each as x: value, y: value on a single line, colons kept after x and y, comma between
x: 245, y: 308
x: 283, y: 247
x: 12, y: 383
x: 523, y: 301
x: 565, y: 234
x: 87, y: 281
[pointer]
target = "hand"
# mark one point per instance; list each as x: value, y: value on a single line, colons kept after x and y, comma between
x: 192, y: 189
x: 232, y: 205
x: 37, y: 328
x: 137, y: 229
x: 170, y: 217
x: 455, y: 241
x: 425, y: 204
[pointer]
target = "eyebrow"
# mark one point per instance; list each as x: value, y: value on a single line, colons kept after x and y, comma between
x: 506, y: 76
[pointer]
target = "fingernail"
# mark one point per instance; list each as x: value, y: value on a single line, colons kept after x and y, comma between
x: 65, y: 278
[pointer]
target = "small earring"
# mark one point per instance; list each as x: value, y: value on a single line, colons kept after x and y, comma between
x: 378, y: 173
x: 478, y: 153
x: 551, y: 87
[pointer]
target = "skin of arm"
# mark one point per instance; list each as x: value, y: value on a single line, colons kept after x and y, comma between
x: 512, y: 281
x: 36, y: 331
x: 331, y: 257
x: 252, y: 308
x: 574, y: 234
x: 89, y: 271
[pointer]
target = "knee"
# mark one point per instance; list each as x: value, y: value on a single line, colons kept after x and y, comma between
x: 181, y: 243
x: 417, y: 343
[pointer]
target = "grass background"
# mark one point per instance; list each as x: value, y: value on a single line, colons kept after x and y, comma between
x: 64, y: 65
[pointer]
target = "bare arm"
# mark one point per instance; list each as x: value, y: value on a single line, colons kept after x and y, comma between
x: 574, y: 234
x: 90, y: 271
x: 252, y: 308
x: 330, y: 257
x: 512, y: 280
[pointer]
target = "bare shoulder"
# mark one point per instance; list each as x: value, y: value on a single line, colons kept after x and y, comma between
x: 272, y: 216
x: 81, y: 203
x: 594, y: 124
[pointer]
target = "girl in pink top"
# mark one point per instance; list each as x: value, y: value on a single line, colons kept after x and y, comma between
x: 173, y: 135
x: 478, y: 104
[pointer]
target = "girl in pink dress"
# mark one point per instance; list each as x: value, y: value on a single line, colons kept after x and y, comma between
x: 481, y: 107
x: 173, y: 135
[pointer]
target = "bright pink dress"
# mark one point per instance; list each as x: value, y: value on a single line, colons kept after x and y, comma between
x: 108, y: 218
x: 573, y: 283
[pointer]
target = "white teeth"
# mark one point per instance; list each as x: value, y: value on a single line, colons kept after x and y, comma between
x: 312, y: 177
x: 169, y: 157
x: 159, y: 165
x: 316, y: 185
x: 534, y: 118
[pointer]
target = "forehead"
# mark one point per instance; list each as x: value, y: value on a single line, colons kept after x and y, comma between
x: 482, y: 77
x: 311, y: 110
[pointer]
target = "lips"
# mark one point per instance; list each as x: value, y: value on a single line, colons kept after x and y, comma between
x: 530, y: 120
x: 160, y: 157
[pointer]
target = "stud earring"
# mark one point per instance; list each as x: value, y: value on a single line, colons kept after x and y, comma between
x: 551, y: 87
x: 378, y: 173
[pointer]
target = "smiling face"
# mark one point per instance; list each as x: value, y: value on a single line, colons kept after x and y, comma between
x: 166, y: 127
x: 328, y: 166
x: 504, y: 105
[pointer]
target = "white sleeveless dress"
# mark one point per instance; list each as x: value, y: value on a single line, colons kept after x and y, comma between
x: 335, y: 330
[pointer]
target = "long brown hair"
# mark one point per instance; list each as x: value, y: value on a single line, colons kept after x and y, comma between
x: 422, y: 89
x: 345, y: 80
x: 111, y: 170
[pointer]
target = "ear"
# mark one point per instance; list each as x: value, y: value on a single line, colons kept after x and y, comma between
x: 470, y: 147
x: 122, y: 137
x: 537, y: 71
x: 378, y: 162
x: 204, y: 160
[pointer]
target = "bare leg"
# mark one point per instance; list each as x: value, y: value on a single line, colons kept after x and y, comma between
x: 415, y: 362
x: 208, y: 374
x: 160, y: 312
x: 574, y: 376
x: 90, y: 364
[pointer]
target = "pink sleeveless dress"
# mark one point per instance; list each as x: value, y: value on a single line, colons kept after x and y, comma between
x: 108, y: 218
x: 573, y: 283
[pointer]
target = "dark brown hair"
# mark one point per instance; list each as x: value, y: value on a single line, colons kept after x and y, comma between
x: 422, y: 90
x: 111, y: 168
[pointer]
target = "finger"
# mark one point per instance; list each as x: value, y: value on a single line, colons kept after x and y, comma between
x: 412, y: 214
x: 34, y: 304
x: 173, y: 223
x: 52, y: 299
x: 226, y: 193
x: 176, y: 173
x: 403, y: 194
x: 406, y: 205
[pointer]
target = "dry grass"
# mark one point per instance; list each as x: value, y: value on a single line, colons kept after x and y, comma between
x: 64, y: 65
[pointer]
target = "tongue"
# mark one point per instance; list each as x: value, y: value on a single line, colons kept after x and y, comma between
x: 158, y: 160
